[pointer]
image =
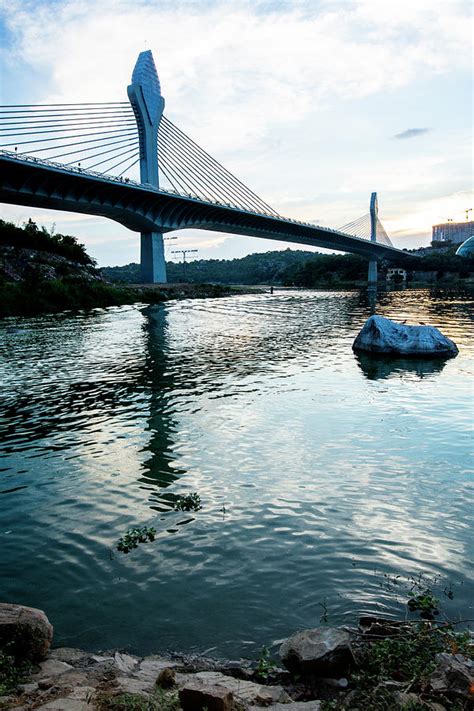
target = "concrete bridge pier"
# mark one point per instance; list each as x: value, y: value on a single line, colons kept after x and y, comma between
x: 152, y: 258
x: 372, y: 275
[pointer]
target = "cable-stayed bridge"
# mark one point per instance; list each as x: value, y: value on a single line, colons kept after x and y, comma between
x: 80, y: 158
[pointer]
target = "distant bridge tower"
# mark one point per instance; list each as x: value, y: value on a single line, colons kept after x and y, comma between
x: 145, y: 97
x: 374, y: 212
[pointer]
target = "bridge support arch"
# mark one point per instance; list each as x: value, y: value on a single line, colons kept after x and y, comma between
x: 145, y: 97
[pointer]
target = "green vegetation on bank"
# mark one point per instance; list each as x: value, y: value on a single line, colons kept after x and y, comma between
x: 266, y: 268
x: 158, y: 700
x: 42, y: 272
x: 301, y: 269
x: 30, y: 236
x: 31, y: 297
x: 12, y: 671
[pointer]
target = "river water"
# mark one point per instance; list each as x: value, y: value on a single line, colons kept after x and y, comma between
x: 320, y: 474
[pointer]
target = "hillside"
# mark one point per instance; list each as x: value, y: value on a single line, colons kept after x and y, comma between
x: 303, y: 269
x: 42, y: 272
x: 259, y: 268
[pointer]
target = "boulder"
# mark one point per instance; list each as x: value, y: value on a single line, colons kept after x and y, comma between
x: 166, y: 678
x: 453, y: 676
x: 247, y: 692
x: 125, y: 663
x: 323, y: 651
x: 198, y: 695
x: 51, y: 668
x: 70, y: 655
x: 381, y: 335
x: 27, y: 630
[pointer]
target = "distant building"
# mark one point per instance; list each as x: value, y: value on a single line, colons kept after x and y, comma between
x: 396, y: 274
x: 454, y: 232
x: 467, y: 248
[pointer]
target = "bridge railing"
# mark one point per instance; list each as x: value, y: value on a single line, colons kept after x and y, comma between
x: 122, y: 180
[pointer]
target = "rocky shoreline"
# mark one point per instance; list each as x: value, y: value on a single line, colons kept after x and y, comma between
x: 381, y: 664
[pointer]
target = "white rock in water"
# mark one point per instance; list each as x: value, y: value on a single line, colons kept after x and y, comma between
x: 381, y: 335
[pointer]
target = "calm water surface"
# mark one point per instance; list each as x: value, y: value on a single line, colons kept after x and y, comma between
x: 318, y: 472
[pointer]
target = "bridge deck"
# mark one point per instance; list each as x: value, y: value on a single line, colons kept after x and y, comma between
x: 142, y: 208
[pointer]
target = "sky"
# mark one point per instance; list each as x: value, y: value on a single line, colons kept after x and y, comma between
x: 313, y: 104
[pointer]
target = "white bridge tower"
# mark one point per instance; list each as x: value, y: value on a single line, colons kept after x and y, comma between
x: 145, y: 97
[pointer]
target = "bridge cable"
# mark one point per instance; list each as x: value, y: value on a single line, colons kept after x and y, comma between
x: 110, y: 159
x: 62, y: 118
x: 214, y: 165
x: 80, y: 135
x: 128, y: 167
x: 211, y: 161
x: 63, y: 131
x: 203, y: 179
x: 137, y: 155
x: 168, y: 178
x: 120, y: 144
x: 176, y: 175
x: 219, y: 189
x: 217, y: 186
x: 76, y: 103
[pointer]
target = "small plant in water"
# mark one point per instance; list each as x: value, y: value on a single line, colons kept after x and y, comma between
x: 134, y: 536
x: 425, y: 602
x: 324, y: 607
x: 265, y: 664
x: 188, y: 502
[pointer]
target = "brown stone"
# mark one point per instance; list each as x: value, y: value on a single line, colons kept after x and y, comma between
x: 52, y: 668
x: 166, y: 678
x: 453, y: 675
x: 197, y: 696
x: 269, y: 695
x: 27, y: 630
x: 243, y: 690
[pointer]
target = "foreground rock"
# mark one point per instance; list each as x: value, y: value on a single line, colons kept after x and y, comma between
x: 26, y: 630
x: 322, y: 651
x: 197, y: 695
x: 453, y: 676
x: 381, y: 335
x: 75, y: 680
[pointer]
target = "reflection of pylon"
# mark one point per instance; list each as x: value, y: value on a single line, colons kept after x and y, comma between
x: 469, y: 209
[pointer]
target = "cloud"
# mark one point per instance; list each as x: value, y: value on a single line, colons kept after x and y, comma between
x: 412, y: 132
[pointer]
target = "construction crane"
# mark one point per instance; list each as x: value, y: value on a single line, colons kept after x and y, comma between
x: 469, y: 209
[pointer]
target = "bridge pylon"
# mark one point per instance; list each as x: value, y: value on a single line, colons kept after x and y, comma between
x: 374, y: 211
x: 145, y: 97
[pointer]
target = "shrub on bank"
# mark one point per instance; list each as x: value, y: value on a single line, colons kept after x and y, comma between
x: 28, y: 298
x: 30, y: 236
x: 35, y: 296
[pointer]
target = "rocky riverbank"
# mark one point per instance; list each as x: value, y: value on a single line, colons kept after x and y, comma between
x: 380, y: 665
x: 33, y: 282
